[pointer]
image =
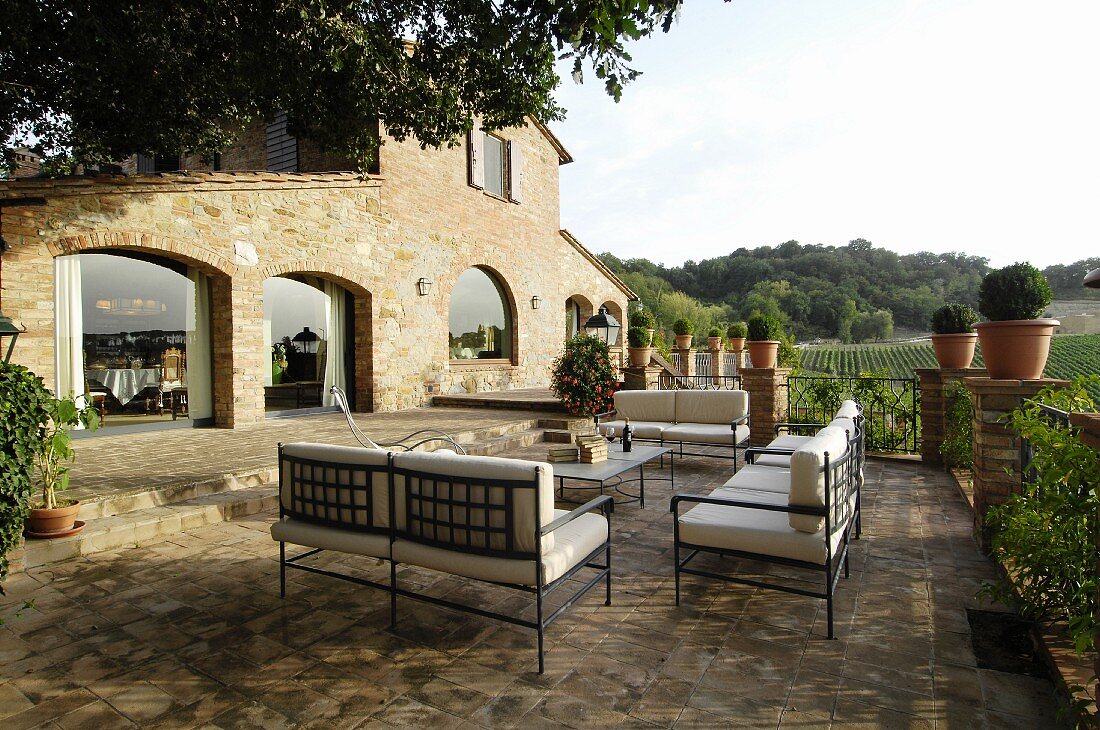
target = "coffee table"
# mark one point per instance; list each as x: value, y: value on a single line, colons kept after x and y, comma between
x: 618, y: 463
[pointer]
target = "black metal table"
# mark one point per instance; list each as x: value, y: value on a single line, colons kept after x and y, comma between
x: 618, y: 463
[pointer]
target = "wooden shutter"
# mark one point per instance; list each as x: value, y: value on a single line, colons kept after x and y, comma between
x: 281, y: 147
x: 475, y: 146
x: 515, y: 172
x: 145, y: 164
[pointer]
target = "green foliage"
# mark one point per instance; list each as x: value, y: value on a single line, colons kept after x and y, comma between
x: 1046, y: 535
x: 737, y: 329
x: 714, y: 332
x: 891, y: 408
x: 204, y: 69
x: 763, y: 327
x: 660, y: 343
x: 583, y: 376
x: 951, y: 319
x: 683, y: 327
x: 55, y: 449
x: 1019, y: 291
x: 958, y: 437
x: 788, y: 356
x: 23, y: 407
x: 643, y: 318
x: 638, y: 337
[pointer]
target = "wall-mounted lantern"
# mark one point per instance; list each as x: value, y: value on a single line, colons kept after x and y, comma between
x: 8, y: 329
x: 536, y: 302
x: 423, y: 286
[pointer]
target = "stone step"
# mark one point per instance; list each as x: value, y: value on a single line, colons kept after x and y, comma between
x: 565, y: 423
x: 153, y: 524
x: 558, y: 436
x: 505, y: 443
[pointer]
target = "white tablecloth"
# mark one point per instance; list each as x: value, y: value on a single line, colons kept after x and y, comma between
x: 126, y: 383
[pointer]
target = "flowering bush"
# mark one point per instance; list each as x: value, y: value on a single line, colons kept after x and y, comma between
x: 583, y: 376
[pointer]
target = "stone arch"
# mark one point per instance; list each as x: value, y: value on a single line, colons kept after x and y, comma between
x: 509, y: 300
x: 206, y: 261
x: 586, y: 311
x: 363, y: 341
x: 616, y: 311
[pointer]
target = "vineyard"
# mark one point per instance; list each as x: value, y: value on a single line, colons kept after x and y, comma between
x: 1070, y: 355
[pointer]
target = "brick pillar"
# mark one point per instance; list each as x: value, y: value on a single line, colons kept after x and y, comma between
x: 767, y: 389
x: 718, y: 365
x: 687, y: 361
x: 239, y: 353
x: 933, y: 406
x: 997, y: 468
x: 641, y: 378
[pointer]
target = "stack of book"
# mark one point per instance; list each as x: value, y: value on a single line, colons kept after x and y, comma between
x: 563, y: 453
x: 593, y: 448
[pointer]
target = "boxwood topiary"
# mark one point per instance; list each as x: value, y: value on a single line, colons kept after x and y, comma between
x: 638, y: 337
x: 763, y: 328
x: 714, y: 332
x: 953, y: 319
x: 737, y: 329
x: 643, y: 318
x: 1019, y: 291
x: 683, y: 327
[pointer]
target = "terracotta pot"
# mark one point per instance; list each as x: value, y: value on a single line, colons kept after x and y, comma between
x: 737, y: 344
x: 763, y: 353
x: 639, y: 356
x: 683, y: 342
x: 1016, y: 349
x: 955, y: 350
x: 714, y: 343
x: 61, y: 519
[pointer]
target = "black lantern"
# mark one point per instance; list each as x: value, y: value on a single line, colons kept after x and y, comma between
x: 536, y: 302
x: 306, y: 340
x: 604, y: 326
x: 1092, y: 279
x: 423, y: 286
x: 8, y: 329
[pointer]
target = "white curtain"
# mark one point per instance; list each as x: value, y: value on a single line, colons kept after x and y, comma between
x: 69, y: 322
x: 200, y: 391
x: 336, y: 323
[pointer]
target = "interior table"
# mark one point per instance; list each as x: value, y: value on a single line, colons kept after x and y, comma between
x: 618, y: 463
x: 125, y: 383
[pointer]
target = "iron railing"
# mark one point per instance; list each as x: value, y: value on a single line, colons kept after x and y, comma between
x: 703, y: 362
x: 1028, y: 473
x: 729, y: 362
x: 891, y: 407
x: 667, y: 381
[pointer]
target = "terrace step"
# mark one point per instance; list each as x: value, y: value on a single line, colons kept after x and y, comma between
x: 504, y: 443
x: 151, y: 524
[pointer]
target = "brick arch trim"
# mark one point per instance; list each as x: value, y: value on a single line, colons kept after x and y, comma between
x: 509, y: 298
x: 183, y: 251
x: 311, y: 267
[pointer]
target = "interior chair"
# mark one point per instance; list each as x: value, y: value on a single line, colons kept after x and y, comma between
x: 173, y: 381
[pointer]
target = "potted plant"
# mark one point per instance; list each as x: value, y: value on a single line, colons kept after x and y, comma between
x: 278, y: 362
x: 1015, y: 341
x: 953, y: 338
x: 764, y: 333
x: 53, y: 516
x: 736, y: 333
x: 639, y: 348
x: 583, y: 376
x: 644, y: 318
x: 684, y: 329
x: 714, y: 339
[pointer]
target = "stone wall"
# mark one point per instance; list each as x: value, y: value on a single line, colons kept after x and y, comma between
x: 373, y: 236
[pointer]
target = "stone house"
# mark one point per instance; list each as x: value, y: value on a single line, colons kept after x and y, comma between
x: 223, y: 293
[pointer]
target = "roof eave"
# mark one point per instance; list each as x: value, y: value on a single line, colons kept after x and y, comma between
x: 595, y: 261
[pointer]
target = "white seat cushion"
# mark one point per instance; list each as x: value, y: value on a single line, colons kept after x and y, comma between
x: 761, y: 478
x: 573, y: 542
x: 331, y: 538
x: 711, y: 406
x: 706, y: 433
x: 753, y: 530
x: 656, y: 406
x: 642, y: 429
x: 808, y: 477
x: 788, y: 441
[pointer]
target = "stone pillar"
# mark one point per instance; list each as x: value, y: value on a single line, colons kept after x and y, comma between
x: 642, y: 378
x: 767, y: 389
x: 933, y: 407
x: 718, y: 365
x: 997, y: 468
x: 687, y: 361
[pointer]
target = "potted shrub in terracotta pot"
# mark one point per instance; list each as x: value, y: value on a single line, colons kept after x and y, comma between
x: 639, y: 348
x: 763, y: 340
x: 953, y: 338
x: 54, y: 516
x: 1015, y: 341
x: 736, y: 333
x: 644, y: 318
x: 684, y: 329
x: 714, y: 339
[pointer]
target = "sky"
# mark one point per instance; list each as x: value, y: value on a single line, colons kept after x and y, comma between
x: 969, y: 126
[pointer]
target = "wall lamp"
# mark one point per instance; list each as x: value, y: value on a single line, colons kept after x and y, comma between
x: 423, y: 286
x: 8, y: 329
x: 536, y: 302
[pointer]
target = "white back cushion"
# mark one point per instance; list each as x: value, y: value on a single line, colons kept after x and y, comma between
x: 710, y: 406
x: 848, y: 409
x: 646, y: 405
x: 306, y: 480
x: 845, y: 424
x: 807, y: 477
x: 467, y: 470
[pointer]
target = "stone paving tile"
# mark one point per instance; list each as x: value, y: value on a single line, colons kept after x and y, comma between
x: 190, y: 632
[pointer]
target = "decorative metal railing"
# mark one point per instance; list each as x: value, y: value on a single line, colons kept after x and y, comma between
x: 703, y: 362
x: 729, y: 363
x: 665, y: 381
x: 1028, y: 473
x: 891, y: 407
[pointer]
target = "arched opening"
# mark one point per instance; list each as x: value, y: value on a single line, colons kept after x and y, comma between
x: 310, y: 332
x: 577, y: 311
x: 134, y: 336
x: 617, y: 312
x: 480, y: 319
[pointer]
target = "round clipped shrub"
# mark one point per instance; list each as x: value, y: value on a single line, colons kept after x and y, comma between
x: 638, y: 337
x: 1019, y: 291
x: 953, y: 319
x: 683, y: 327
x: 643, y: 318
x: 583, y: 376
x: 714, y: 332
x: 737, y: 329
x: 763, y: 328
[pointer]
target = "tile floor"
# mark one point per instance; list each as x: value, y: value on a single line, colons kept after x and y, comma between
x: 191, y: 632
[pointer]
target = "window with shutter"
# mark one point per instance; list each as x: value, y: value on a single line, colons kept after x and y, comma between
x: 281, y: 146
x: 146, y: 164
x: 494, y: 165
x: 475, y: 147
x: 515, y: 172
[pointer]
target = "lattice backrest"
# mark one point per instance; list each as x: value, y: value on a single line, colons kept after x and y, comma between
x: 338, y: 486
